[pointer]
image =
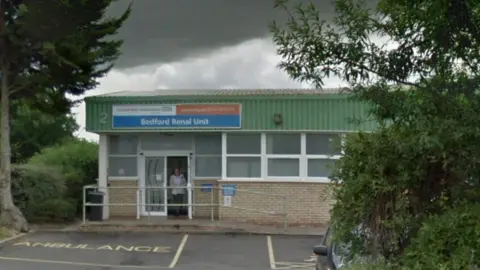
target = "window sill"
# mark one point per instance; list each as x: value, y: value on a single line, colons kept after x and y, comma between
x: 277, y: 180
x: 213, y: 178
x: 241, y: 180
x: 325, y: 180
x: 123, y: 178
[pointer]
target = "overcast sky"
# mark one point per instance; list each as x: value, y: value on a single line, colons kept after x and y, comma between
x: 196, y: 44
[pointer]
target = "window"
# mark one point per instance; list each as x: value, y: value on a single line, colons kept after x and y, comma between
x: 122, y: 158
x: 243, y: 155
x: 208, y: 155
x: 244, y: 144
x: 283, y: 155
x: 320, y: 167
x: 283, y: 144
x: 248, y: 167
x: 122, y: 166
x: 122, y: 145
x: 164, y: 142
x: 324, y: 144
x: 283, y: 167
x: 322, y: 152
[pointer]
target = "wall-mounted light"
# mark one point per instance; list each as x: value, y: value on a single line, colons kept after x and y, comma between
x: 278, y: 119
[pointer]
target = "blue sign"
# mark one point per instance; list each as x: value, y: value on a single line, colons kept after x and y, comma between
x: 176, y: 116
x: 206, y: 187
x: 229, y: 189
x: 184, y: 121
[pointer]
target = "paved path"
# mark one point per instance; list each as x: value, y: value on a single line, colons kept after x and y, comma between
x: 162, y: 224
x: 153, y: 250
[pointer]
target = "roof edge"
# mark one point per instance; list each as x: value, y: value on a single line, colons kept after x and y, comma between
x: 232, y: 93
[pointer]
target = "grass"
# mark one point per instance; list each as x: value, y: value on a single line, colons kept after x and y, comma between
x: 6, y: 233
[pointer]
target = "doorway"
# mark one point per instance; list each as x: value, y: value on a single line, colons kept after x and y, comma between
x: 154, y: 185
x: 177, y: 196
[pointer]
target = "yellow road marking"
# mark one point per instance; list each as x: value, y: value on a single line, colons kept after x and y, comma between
x: 179, y: 251
x: 309, y: 264
x: 158, y: 249
x: 15, y: 237
x: 293, y: 265
x: 297, y: 267
x: 296, y: 263
x: 80, y: 264
x: 271, y: 256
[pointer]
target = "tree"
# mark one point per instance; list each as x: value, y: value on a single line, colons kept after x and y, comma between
x: 416, y: 63
x: 32, y: 130
x: 48, y: 49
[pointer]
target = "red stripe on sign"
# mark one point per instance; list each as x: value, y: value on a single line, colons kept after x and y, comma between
x: 210, y: 109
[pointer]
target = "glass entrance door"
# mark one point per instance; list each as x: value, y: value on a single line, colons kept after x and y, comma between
x: 155, y: 185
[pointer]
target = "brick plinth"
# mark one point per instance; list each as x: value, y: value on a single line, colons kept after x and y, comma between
x: 123, y: 195
x: 203, y: 196
x: 304, y: 203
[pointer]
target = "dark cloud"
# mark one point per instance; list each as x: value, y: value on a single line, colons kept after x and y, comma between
x: 226, y: 68
x: 169, y: 30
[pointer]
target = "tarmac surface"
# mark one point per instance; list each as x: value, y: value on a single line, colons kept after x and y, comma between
x: 154, y: 250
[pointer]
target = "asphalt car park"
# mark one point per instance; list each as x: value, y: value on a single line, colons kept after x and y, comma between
x: 292, y: 252
x: 153, y: 250
x: 64, y: 249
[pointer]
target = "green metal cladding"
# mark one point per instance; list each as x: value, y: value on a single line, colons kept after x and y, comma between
x: 327, y: 112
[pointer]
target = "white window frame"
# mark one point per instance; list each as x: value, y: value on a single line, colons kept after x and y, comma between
x: 195, y: 155
x: 283, y: 156
x: 225, y: 155
x: 321, y: 157
x: 120, y: 156
x: 303, y: 159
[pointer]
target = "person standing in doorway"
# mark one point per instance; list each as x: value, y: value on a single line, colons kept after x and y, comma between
x: 178, y: 184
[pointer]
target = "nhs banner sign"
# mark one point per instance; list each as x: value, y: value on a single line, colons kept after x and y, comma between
x: 130, y: 116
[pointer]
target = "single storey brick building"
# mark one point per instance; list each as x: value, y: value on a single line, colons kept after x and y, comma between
x: 247, y: 155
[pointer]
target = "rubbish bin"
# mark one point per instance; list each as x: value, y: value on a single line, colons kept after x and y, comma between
x: 96, y: 212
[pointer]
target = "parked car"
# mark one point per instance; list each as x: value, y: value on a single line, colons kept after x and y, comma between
x: 333, y: 255
x: 328, y: 257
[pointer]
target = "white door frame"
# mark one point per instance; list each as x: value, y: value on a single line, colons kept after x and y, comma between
x: 165, y: 155
x: 189, y: 186
x: 142, y: 184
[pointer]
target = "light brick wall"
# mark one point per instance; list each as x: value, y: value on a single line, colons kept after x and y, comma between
x: 304, y: 203
x: 123, y: 195
x: 202, y: 197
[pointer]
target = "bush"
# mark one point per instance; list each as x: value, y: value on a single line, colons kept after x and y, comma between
x: 414, y: 184
x: 34, y: 185
x: 54, y: 210
x: 77, y: 161
x: 50, y: 186
x: 447, y: 241
x: 368, y: 266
